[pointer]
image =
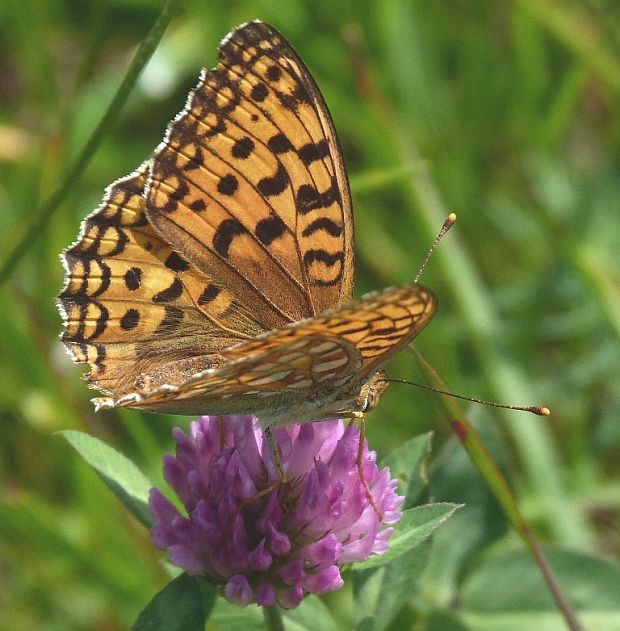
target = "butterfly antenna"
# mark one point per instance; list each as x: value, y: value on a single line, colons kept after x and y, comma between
x: 447, y: 224
x: 533, y: 409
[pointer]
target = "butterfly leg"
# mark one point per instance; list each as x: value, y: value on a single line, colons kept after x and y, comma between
x: 357, y: 415
x: 275, y: 452
x: 360, y: 469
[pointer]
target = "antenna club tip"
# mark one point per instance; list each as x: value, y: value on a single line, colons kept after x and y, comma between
x: 447, y: 224
x: 539, y: 410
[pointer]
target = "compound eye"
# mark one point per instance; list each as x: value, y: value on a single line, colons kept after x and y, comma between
x: 371, y: 400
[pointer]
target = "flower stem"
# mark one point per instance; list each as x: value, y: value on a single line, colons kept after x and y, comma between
x: 273, y: 618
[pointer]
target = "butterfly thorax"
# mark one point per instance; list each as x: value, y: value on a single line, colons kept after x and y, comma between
x: 329, y: 404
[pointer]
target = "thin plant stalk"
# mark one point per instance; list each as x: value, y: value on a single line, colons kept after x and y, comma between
x: 501, y: 490
x: 43, y: 215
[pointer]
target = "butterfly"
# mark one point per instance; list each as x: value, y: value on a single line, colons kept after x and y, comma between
x: 218, y: 277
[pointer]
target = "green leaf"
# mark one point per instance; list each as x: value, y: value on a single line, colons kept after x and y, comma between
x: 183, y: 605
x: 415, y: 526
x: 382, y: 585
x: 406, y: 464
x: 380, y: 593
x: 454, y: 544
x: 310, y: 615
x: 508, y: 593
x: 119, y: 474
x: 226, y: 615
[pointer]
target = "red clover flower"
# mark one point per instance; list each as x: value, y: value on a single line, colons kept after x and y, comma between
x: 265, y: 541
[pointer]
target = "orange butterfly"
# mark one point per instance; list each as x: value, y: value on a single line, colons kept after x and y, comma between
x: 218, y: 277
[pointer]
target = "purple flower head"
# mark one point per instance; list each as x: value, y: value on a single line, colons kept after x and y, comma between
x: 265, y: 541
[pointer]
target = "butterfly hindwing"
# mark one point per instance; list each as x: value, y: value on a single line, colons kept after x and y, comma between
x: 275, y: 380
x: 325, y: 360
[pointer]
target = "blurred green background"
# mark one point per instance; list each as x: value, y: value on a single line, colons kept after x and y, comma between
x: 505, y: 112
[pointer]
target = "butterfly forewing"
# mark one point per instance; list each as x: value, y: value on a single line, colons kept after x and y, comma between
x: 154, y: 293
x: 249, y: 183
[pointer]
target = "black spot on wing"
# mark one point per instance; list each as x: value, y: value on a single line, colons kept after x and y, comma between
x: 321, y: 256
x: 209, y: 294
x: 269, y: 229
x: 226, y: 232
x: 259, y: 92
x: 293, y: 100
x: 308, y: 198
x: 176, y: 263
x: 273, y: 73
x: 228, y: 184
x: 324, y: 223
x: 275, y: 185
x: 170, y: 293
x: 279, y: 144
x: 243, y: 148
x: 312, y: 152
x: 133, y: 278
x: 198, y: 205
x: 130, y: 320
